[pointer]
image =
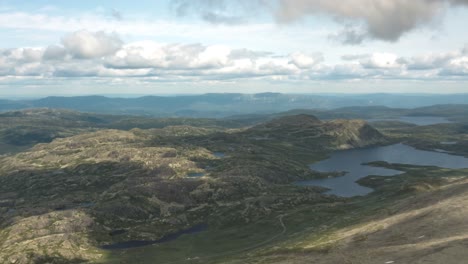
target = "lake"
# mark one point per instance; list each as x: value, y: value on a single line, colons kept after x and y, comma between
x: 351, y: 162
x: 417, y: 120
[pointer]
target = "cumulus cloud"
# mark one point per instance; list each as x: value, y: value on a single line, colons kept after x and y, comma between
x: 385, y: 20
x: 347, y: 71
x: 459, y: 68
x: 175, y: 56
x: 352, y: 57
x: 97, y: 54
x: 381, y: 61
x: 197, y: 62
x: 429, y: 61
x: 209, y: 62
x: 304, y: 61
x: 54, y: 52
x: 431, y: 65
x: 248, y: 54
x: 84, y: 44
x: 23, y: 54
x: 457, y: 65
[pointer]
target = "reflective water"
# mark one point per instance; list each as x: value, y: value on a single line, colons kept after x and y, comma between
x: 351, y: 161
x: 168, y: 238
x: 219, y: 154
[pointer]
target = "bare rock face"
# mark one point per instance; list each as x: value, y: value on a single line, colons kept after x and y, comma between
x: 57, y: 235
x: 353, y: 134
x: 307, y: 129
x: 295, y: 121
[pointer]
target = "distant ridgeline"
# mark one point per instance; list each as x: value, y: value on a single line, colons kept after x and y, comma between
x: 223, y: 105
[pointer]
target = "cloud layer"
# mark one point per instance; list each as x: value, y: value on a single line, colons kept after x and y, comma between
x: 84, y: 54
x: 85, y: 45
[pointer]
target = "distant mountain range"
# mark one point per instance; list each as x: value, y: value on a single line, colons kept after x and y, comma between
x: 223, y: 105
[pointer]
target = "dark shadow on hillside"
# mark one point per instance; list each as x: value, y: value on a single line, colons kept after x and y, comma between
x: 55, y: 260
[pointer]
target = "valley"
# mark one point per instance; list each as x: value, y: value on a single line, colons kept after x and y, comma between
x: 82, y: 187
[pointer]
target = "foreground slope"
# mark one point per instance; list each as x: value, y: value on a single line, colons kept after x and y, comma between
x: 427, y: 227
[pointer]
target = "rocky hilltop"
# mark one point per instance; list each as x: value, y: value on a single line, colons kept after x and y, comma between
x: 335, y: 134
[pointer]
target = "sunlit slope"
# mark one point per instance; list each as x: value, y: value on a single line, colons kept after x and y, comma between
x: 426, y: 227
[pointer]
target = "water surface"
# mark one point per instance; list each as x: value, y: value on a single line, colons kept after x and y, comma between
x: 448, y: 142
x: 168, y: 238
x: 219, y: 154
x: 351, y: 162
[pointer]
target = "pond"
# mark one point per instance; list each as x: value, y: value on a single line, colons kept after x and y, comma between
x: 416, y: 120
x: 352, y: 162
x: 448, y: 142
x: 219, y: 154
x: 167, y: 238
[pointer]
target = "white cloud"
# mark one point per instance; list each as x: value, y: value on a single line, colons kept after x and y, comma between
x: 33, y: 69
x: 348, y: 71
x: 305, y: 61
x: 381, y: 61
x: 456, y: 67
x: 24, y: 54
x: 100, y: 55
x: 54, y: 52
x: 429, y: 61
x: 154, y: 55
x: 84, y: 44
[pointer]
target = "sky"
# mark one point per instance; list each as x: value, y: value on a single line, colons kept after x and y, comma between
x: 248, y: 46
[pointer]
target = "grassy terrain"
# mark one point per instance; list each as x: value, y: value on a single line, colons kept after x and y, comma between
x: 303, y: 229
x: 429, y: 137
x: 318, y: 231
x: 109, y: 186
x: 20, y: 130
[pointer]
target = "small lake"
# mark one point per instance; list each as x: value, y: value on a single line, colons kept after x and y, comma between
x: 219, y: 154
x: 448, y: 142
x: 351, y: 162
x: 167, y: 238
x: 416, y: 120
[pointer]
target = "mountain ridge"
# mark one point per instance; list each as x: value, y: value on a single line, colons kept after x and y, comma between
x: 209, y: 105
